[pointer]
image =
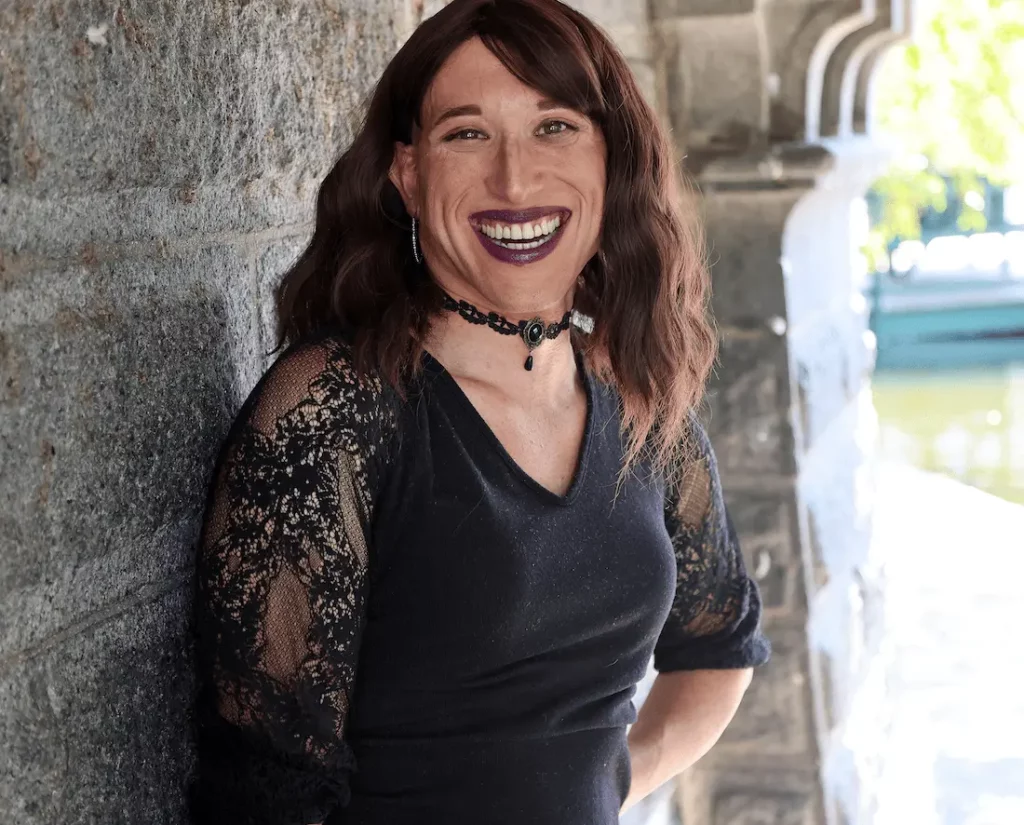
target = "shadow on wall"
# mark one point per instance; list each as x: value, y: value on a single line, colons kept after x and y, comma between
x: 112, y: 416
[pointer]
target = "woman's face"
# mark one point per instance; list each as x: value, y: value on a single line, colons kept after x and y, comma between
x: 508, y: 186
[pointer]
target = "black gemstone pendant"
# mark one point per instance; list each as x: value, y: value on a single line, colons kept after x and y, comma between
x: 533, y: 333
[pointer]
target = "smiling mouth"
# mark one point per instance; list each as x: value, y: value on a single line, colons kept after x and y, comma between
x: 520, y: 236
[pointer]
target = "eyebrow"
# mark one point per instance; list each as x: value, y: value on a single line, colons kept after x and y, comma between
x: 458, y: 111
x: 473, y: 109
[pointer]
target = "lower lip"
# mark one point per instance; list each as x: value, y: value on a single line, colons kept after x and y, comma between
x: 521, y: 257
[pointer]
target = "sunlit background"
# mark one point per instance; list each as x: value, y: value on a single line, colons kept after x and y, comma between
x: 944, y: 277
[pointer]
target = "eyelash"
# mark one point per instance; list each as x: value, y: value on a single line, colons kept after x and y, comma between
x: 568, y: 128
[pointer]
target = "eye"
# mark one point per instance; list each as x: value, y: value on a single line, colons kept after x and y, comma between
x: 462, y: 135
x: 557, y: 127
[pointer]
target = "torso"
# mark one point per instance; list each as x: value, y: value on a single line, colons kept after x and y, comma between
x: 514, y: 604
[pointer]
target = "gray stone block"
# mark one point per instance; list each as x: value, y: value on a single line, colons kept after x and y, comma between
x: 713, y: 71
x: 157, y: 94
x: 119, y: 382
x: 766, y: 528
x: 647, y: 80
x: 79, y: 225
x: 696, y: 8
x: 634, y: 41
x: 744, y: 237
x: 611, y: 12
x: 95, y: 728
x: 749, y: 397
x: 775, y: 715
x: 762, y: 808
x: 272, y: 262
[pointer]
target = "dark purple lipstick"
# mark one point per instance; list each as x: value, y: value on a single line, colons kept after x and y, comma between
x: 522, y: 250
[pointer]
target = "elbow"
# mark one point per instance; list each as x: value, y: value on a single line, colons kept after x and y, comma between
x: 741, y: 683
x: 746, y: 677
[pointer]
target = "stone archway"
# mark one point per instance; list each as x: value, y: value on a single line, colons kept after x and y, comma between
x: 769, y: 103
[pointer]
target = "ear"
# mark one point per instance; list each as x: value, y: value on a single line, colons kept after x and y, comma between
x: 403, y: 175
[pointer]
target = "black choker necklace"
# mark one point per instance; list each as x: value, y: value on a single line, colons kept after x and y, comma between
x: 533, y: 332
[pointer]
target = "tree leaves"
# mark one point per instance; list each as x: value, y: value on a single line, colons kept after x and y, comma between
x: 950, y: 97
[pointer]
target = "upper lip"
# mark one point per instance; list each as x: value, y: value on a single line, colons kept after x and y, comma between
x: 519, y: 215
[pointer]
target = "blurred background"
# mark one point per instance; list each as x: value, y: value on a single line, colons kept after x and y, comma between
x: 860, y: 173
x: 944, y: 282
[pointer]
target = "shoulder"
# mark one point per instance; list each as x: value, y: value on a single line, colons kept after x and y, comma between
x: 698, y: 447
x: 314, y: 388
x: 696, y: 489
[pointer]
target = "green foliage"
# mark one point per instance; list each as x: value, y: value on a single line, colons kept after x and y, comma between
x: 953, y: 101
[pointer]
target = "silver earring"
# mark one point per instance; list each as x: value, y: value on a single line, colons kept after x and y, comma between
x: 416, y: 254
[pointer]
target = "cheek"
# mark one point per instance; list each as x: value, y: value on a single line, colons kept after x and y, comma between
x: 451, y: 172
x: 594, y: 193
x: 589, y: 175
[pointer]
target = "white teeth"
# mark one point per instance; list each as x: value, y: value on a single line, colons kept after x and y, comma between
x: 529, y: 245
x: 536, y: 233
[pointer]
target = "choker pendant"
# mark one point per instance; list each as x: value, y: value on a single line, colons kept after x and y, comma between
x: 532, y: 334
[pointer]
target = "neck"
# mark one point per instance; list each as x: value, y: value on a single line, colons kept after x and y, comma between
x: 477, y: 353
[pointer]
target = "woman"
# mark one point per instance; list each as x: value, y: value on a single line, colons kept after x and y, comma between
x: 468, y: 502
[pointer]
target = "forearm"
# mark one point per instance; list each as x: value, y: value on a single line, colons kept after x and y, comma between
x: 683, y: 716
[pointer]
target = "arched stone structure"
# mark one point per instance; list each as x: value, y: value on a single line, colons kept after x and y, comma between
x: 157, y: 166
x: 781, y: 158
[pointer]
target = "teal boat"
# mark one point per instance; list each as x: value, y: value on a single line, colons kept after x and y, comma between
x: 947, y: 321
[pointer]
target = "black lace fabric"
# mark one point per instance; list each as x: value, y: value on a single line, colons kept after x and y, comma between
x: 715, y: 617
x: 281, y: 591
x: 282, y: 581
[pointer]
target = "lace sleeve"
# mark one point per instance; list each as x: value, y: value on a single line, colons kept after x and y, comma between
x: 715, y: 618
x: 281, y: 592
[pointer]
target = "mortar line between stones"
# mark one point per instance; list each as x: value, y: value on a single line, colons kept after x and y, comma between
x: 149, y: 592
x: 97, y: 253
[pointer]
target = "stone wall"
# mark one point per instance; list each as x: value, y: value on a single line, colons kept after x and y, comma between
x: 158, y: 163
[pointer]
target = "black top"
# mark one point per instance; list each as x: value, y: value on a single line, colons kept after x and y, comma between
x: 397, y: 625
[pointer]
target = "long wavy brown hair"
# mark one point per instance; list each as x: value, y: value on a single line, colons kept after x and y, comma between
x: 646, y: 289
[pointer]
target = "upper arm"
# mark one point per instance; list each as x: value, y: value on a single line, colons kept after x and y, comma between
x: 715, y: 617
x: 282, y: 589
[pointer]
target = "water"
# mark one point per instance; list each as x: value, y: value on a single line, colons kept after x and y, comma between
x: 949, y: 523
x: 967, y: 425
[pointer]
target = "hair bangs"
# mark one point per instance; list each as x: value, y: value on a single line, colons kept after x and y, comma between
x: 545, y: 52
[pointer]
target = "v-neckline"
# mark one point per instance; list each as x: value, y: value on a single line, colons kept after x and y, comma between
x: 582, y: 458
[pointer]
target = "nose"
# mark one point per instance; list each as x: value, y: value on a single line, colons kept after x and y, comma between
x: 513, y: 178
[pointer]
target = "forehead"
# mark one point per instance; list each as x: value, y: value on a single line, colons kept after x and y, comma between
x: 471, y: 74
